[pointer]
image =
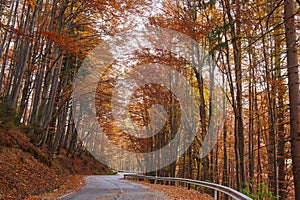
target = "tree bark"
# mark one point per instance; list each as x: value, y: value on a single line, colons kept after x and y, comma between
x: 294, y: 92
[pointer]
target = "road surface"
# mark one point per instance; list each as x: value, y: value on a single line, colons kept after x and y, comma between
x: 113, y: 187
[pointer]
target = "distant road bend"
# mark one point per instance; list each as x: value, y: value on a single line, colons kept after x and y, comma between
x: 113, y: 187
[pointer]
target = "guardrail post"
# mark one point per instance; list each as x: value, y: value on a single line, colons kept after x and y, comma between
x: 216, y: 195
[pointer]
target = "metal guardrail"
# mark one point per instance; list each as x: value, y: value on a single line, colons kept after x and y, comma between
x: 216, y: 187
x: 129, y: 171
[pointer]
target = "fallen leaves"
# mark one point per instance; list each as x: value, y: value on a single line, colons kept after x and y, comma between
x: 72, y: 184
x: 26, y: 171
x: 177, y: 192
x: 22, y: 175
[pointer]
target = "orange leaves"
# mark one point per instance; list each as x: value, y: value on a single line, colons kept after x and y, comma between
x: 31, y: 2
x: 177, y: 192
x: 101, y: 5
x: 183, y: 19
x: 73, y: 184
x: 22, y: 175
x: 11, y: 29
x: 192, y: 29
x: 66, y: 44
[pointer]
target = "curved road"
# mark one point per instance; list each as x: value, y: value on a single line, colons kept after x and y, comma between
x: 113, y: 187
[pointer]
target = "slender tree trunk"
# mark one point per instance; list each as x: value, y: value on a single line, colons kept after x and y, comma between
x: 237, y: 104
x: 294, y: 92
x: 3, y: 39
x: 280, y: 92
x: 225, y: 157
x: 251, y: 125
x: 271, y: 138
x: 23, y: 57
x: 2, y: 76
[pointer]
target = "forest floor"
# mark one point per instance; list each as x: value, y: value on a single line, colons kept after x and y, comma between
x: 177, y: 192
x: 26, y: 170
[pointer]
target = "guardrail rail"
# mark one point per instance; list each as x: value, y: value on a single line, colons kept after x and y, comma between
x: 234, y: 194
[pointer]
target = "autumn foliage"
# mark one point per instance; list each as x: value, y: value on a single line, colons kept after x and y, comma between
x: 253, y: 44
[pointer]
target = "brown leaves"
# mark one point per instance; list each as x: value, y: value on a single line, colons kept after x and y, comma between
x: 22, y: 175
x: 177, y: 192
x: 72, y: 184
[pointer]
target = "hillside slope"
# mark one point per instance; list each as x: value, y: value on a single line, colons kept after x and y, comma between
x: 27, y: 170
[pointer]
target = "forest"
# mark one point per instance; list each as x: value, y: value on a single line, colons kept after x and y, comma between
x: 218, y: 77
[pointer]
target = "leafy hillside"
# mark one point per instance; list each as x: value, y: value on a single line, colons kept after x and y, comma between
x: 27, y: 170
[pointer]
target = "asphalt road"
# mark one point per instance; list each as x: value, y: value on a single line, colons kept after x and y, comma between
x: 113, y: 187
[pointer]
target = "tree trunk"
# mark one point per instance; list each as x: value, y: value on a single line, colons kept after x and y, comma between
x: 237, y: 97
x: 294, y: 92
